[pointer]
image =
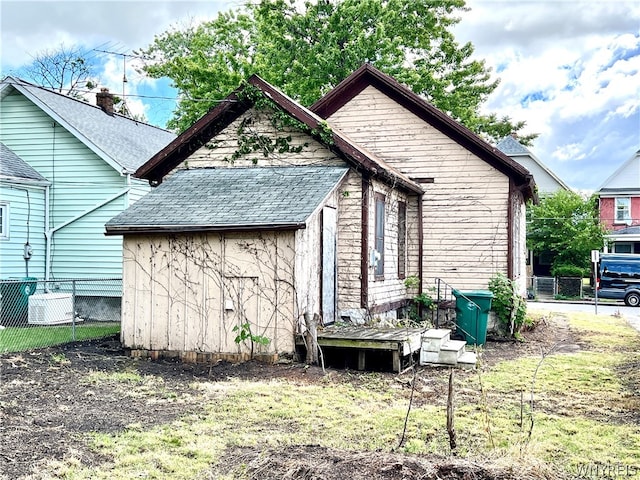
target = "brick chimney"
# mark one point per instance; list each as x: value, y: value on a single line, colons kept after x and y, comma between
x: 104, y: 100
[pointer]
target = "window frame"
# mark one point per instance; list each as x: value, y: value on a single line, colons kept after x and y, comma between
x: 4, y: 221
x: 626, y: 208
x: 380, y: 203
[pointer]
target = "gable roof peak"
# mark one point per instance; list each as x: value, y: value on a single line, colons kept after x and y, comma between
x: 122, y: 142
x: 214, y: 121
x: 369, y: 76
x: 511, y: 146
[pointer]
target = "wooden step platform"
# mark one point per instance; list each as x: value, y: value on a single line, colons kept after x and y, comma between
x: 399, y: 342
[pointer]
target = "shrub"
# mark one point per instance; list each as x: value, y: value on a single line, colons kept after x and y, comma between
x: 509, y: 305
x: 564, y: 270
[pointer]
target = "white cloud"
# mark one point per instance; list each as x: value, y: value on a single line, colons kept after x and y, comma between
x: 571, y: 70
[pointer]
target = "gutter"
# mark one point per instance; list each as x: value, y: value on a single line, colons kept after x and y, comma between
x: 164, y: 229
x: 50, y: 232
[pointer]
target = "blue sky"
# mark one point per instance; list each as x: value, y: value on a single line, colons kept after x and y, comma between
x: 570, y: 69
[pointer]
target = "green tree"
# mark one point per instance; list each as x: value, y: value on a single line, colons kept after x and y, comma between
x: 567, y: 226
x: 307, y: 50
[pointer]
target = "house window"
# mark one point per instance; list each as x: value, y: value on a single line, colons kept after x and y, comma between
x: 379, y: 241
x: 622, y: 247
x: 623, y: 209
x: 4, y: 221
x: 402, y: 239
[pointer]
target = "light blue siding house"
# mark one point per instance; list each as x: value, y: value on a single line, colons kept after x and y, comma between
x: 69, y: 169
x: 22, y: 201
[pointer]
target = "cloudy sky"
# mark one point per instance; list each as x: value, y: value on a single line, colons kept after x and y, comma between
x: 569, y: 68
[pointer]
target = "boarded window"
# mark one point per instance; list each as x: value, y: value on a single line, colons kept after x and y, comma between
x: 379, y: 257
x: 402, y: 239
x: 623, y: 209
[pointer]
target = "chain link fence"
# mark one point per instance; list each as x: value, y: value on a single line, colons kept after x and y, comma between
x: 36, y: 313
x: 548, y: 288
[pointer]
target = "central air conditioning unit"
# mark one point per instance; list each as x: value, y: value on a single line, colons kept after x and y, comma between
x: 50, y: 309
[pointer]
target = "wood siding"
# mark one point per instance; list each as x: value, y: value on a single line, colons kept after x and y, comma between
x: 349, y: 195
x: 349, y: 242
x: 81, y: 184
x: 466, y: 208
x: 187, y: 293
x: 218, y: 152
x: 390, y: 289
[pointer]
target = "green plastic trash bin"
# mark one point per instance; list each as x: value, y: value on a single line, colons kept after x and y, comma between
x: 14, y: 295
x: 472, y: 315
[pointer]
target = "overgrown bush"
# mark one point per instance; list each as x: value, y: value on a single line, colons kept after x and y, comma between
x: 422, y: 302
x: 509, y: 305
x: 565, y: 270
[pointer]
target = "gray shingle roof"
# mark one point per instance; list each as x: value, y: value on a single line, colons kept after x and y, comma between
x: 121, y: 140
x: 207, y: 199
x: 510, y: 146
x: 13, y: 167
x: 626, y: 231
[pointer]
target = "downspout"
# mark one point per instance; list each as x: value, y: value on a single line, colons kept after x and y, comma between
x: 49, y: 233
x: 510, y: 224
x: 47, y: 243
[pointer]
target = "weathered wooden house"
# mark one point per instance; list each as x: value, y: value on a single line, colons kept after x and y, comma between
x: 473, y: 207
x: 266, y: 213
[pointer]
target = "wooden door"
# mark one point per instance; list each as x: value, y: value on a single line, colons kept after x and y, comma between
x: 329, y: 265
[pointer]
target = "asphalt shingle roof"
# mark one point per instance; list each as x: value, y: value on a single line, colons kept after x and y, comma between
x: 510, y: 146
x: 231, y: 198
x: 127, y: 142
x: 12, y: 166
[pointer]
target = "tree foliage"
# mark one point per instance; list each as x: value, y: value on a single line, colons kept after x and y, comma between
x: 567, y: 226
x: 306, y: 50
x: 65, y: 70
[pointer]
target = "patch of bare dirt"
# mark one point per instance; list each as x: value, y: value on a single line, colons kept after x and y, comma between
x: 314, y: 462
x: 49, y: 398
x: 551, y: 334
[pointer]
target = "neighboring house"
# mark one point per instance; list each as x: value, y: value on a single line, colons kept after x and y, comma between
x: 270, y: 220
x: 23, y: 196
x: 547, y: 182
x: 66, y: 169
x: 620, y: 207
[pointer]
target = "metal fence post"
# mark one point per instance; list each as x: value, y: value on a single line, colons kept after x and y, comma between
x: 73, y: 312
x: 438, y: 305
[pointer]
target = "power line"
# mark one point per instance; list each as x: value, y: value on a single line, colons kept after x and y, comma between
x: 133, y: 95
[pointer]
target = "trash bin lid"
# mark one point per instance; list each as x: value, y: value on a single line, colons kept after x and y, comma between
x: 473, y: 293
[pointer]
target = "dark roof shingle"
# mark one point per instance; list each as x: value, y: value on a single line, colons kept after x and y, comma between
x: 127, y: 142
x: 14, y: 167
x: 216, y: 199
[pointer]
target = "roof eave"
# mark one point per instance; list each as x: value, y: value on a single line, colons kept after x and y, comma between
x: 226, y: 112
x: 169, y: 229
x: 25, y: 181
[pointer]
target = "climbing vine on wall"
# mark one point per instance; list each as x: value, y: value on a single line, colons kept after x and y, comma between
x: 250, y: 140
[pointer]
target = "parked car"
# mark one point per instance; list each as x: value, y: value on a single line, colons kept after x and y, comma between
x: 619, y: 277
